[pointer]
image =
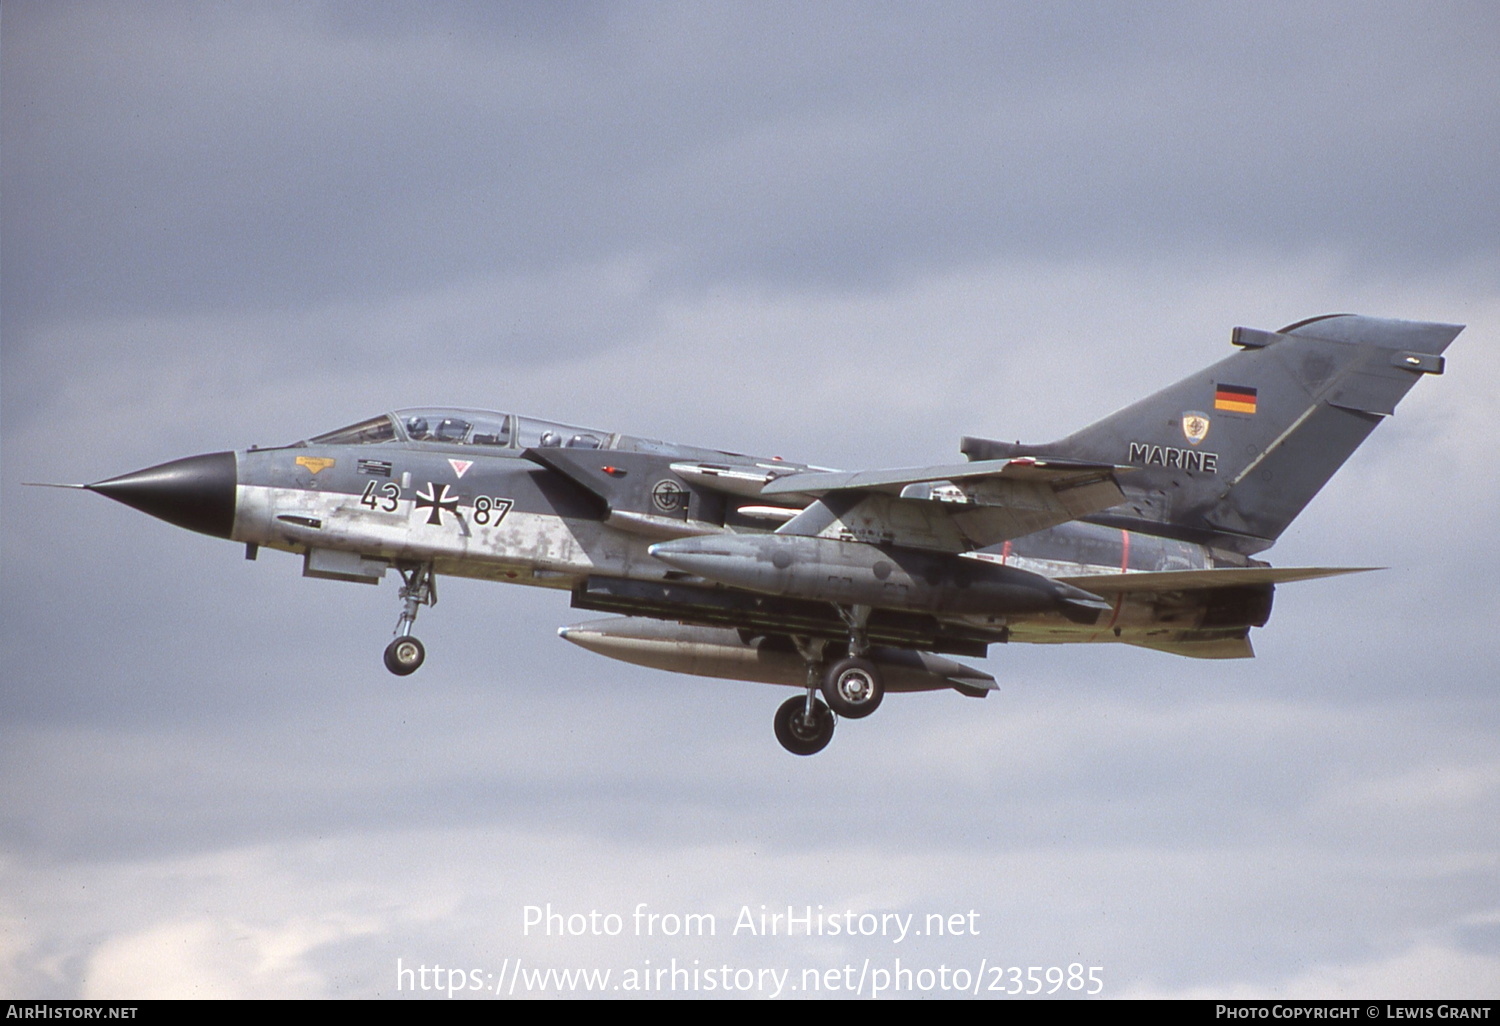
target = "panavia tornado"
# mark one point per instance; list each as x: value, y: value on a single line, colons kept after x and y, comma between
x: 1142, y: 528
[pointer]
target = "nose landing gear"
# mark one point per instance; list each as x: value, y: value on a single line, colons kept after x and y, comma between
x: 419, y: 588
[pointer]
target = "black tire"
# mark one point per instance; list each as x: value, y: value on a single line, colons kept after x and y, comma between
x: 853, y: 687
x: 404, y: 655
x: 796, y: 734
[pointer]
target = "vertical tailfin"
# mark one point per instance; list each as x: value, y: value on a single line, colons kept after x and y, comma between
x: 1230, y: 455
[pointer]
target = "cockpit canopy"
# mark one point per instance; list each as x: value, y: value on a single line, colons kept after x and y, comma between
x: 466, y: 427
x: 500, y: 433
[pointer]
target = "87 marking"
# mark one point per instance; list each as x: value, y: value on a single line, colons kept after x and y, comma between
x: 488, y: 509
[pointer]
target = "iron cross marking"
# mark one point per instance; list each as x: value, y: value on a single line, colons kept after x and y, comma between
x: 436, y: 499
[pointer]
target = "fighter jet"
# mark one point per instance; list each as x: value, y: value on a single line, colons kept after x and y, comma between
x: 1141, y: 529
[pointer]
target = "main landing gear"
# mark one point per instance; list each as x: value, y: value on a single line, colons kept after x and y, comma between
x: 852, y: 687
x: 418, y: 588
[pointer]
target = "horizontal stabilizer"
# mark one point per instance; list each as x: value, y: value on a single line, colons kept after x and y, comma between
x: 1223, y: 577
x: 1221, y: 648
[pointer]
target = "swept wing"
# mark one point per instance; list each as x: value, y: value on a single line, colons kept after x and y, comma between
x: 953, y: 508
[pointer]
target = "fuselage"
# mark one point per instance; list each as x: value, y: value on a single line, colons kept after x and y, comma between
x: 499, y: 497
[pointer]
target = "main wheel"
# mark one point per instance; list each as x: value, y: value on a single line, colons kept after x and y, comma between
x: 799, y: 736
x: 853, y: 687
x: 404, y: 655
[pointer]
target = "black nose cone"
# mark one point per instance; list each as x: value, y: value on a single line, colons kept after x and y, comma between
x: 197, y: 493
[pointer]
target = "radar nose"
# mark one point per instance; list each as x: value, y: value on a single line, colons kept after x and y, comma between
x: 197, y: 492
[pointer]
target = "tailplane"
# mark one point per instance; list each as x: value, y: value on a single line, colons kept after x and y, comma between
x: 1231, y: 455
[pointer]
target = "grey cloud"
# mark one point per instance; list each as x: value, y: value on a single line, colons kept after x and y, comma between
x: 168, y: 160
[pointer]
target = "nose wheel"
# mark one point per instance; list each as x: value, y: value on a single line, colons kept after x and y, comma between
x: 418, y: 588
x: 404, y: 655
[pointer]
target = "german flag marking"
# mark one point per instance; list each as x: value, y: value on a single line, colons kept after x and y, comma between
x: 1234, y: 398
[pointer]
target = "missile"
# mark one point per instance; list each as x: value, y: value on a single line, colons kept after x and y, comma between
x: 725, y: 652
x: 858, y: 573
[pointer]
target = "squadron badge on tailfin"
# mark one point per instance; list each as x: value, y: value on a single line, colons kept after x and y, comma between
x: 1195, y: 426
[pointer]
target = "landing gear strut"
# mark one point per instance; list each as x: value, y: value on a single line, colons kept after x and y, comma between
x: 853, y: 686
x: 804, y: 726
x: 418, y: 588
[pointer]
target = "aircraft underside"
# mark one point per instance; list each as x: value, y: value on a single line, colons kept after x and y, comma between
x: 845, y: 654
x: 843, y: 646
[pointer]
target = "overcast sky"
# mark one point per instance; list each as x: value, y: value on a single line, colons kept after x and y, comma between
x: 842, y: 233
